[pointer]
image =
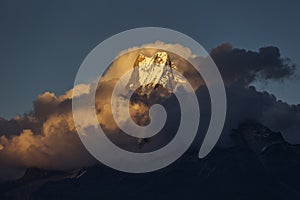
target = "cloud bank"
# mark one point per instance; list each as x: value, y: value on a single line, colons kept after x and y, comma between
x: 46, y: 137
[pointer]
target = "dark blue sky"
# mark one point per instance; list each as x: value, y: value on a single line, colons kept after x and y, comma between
x: 42, y: 43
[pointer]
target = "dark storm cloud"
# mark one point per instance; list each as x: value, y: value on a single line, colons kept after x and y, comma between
x: 240, y: 68
x: 244, y: 66
x: 246, y: 103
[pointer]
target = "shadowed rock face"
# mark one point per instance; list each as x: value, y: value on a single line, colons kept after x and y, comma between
x: 250, y: 170
x: 33, y: 180
x: 259, y: 138
x: 279, y: 158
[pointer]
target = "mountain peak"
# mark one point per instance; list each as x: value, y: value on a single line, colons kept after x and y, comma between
x: 152, y: 71
x: 258, y: 137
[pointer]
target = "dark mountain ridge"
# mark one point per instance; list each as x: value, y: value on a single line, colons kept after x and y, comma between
x: 261, y: 166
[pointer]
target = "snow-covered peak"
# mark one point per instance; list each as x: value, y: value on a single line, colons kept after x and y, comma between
x: 154, y: 70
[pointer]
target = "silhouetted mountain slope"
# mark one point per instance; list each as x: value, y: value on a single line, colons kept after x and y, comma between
x: 261, y: 166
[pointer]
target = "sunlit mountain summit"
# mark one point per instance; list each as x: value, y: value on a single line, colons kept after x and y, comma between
x: 149, y: 72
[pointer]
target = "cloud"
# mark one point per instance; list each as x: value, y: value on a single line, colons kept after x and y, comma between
x: 246, y: 103
x: 46, y: 137
x: 244, y: 66
x: 53, y: 147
